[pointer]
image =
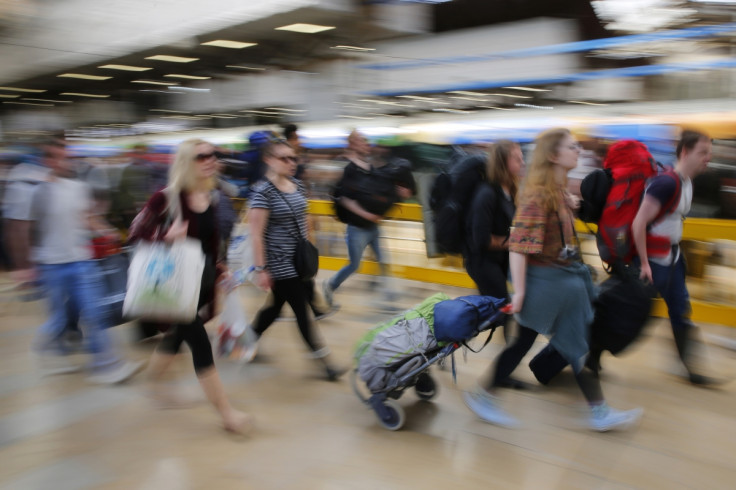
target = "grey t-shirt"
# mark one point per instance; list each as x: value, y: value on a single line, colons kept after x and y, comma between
x: 22, y: 181
x: 60, y: 210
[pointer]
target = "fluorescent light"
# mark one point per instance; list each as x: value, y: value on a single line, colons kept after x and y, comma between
x: 284, y: 109
x: 169, y: 110
x: 125, y: 67
x: 465, y: 92
x: 82, y: 76
x: 453, y: 111
x: 223, y: 116
x: 353, y: 117
x: 79, y: 94
x: 528, y: 89
x: 188, y: 77
x: 16, y: 89
x: 8, y: 96
x: 172, y: 59
x: 305, y: 28
x: 48, y: 100
x: 224, y: 43
x: 531, y: 106
x: 583, y: 102
x: 188, y: 89
x: 352, y: 48
x: 29, y: 103
x: 154, y: 82
x: 238, y: 67
x: 513, y: 96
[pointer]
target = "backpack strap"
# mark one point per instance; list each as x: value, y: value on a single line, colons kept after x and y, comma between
x: 671, y: 205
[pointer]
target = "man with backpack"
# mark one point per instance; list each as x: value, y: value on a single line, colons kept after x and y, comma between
x: 362, y: 197
x: 666, y: 270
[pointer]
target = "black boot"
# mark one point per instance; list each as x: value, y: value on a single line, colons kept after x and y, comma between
x: 684, y: 343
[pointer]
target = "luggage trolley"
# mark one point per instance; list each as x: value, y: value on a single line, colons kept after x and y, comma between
x: 383, y: 402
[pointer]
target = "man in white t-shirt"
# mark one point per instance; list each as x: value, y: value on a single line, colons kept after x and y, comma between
x: 61, y: 212
x: 667, y: 272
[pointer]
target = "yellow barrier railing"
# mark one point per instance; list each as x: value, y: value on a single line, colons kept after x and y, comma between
x: 694, y: 229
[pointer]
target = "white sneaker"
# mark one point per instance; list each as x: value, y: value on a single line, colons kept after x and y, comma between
x: 604, y: 418
x: 117, y: 374
x: 250, y: 344
x: 487, y: 408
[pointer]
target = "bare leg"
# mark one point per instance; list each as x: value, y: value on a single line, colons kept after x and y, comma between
x: 233, y: 420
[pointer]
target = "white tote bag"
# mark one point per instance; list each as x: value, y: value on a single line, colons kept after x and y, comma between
x: 164, y: 281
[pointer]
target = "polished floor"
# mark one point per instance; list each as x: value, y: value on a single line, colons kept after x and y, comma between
x: 62, y: 433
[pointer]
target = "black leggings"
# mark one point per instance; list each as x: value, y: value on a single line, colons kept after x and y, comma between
x: 195, y: 335
x: 514, y: 353
x: 294, y: 292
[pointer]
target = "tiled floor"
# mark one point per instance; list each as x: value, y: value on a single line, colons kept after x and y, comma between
x: 62, y: 433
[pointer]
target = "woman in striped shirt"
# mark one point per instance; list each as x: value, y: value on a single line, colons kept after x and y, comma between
x: 278, y: 217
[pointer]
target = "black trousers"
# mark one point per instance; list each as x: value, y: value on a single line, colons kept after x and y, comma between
x: 294, y: 292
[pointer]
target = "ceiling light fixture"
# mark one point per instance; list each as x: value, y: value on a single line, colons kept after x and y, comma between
x: 29, y: 103
x: 188, y: 77
x: 48, y: 100
x: 305, y: 28
x: 495, y: 108
x: 154, y: 82
x: 512, y: 96
x: 16, y: 89
x: 465, y: 92
x: 353, y: 48
x: 238, y: 67
x: 125, y: 67
x: 531, y: 106
x: 83, y: 76
x: 172, y: 59
x: 474, y: 99
x: 80, y: 94
x: 8, y: 96
x: 528, y: 89
x: 582, y: 102
x: 170, y: 110
x: 188, y: 89
x: 224, y: 43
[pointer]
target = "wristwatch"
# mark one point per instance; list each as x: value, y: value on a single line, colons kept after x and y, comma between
x: 259, y: 268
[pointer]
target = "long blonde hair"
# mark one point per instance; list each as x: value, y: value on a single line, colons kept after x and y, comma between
x: 183, y: 172
x: 540, y: 176
x: 497, y: 166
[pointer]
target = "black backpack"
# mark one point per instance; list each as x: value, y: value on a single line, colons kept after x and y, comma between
x: 594, y: 190
x: 451, y: 195
x: 373, y: 190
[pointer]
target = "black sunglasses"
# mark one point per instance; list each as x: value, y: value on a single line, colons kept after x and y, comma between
x: 287, y: 159
x: 205, y: 156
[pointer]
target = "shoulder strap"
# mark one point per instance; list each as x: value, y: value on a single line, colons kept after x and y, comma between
x: 674, y: 200
x: 293, y: 213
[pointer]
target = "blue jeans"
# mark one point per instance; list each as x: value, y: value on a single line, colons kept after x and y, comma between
x: 79, y: 283
x: 357, y: 240
x: 669, y: 280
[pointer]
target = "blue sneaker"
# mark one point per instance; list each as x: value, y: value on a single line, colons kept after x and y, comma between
x: 604, y: 418
x: 487, y: 408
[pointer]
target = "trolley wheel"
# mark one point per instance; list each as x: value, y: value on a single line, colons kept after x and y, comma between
x: 426, y: 387
x: 391, y: 415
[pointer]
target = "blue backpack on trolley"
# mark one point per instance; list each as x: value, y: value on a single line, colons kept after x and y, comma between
x: 461, y: 319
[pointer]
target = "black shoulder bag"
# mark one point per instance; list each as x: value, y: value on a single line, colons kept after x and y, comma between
x: 306, y: 256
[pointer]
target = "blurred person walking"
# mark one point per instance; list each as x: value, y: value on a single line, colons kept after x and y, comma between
x: 488, y: 227
x: 278, y: 218
x: 361, y: 187
x: 64, y: 221
x: 553, y: 290
x: 192, y: 180
x: 667, y: 271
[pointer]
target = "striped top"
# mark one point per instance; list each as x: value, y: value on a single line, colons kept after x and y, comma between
x: 282, y: 232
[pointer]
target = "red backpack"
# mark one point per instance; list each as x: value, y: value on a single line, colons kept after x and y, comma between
x: 631, y: 166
